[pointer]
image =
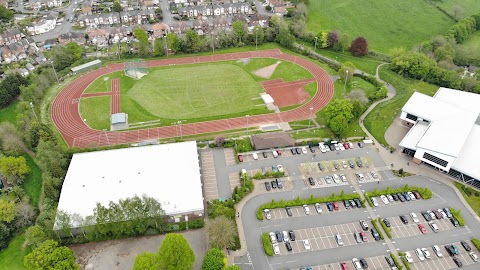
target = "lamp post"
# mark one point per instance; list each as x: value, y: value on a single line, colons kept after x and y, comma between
x: 355, y: 134
x: 247, y: 122
x: 166, y: 44
x: 345, y: 85
x: 310, y: 118
x: 256, y: 38
x: 54, y: 71
x: 179, y: 123
x: 34, y: 113
x: 316, y: 38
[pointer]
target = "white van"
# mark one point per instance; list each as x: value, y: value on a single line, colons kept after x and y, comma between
x: 255, y: 156
x: 275, y: 154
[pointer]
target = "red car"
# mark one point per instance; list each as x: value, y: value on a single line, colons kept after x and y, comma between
x: 335, y: 206
x: 344, y: 266
x: 417, y: 195
x: 364, y: 236
x: 279, y: 152
x: 240, y: 158
x: 422, y: 228
x: 346, y: 146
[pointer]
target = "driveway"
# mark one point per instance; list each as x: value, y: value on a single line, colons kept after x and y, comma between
x: 120, y: 254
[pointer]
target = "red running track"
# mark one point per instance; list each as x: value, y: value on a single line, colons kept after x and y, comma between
x: 115, y: 107
x: 66, y: 116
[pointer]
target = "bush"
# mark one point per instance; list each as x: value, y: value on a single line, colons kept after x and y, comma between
x: 395, y: 260
x: 299, y: 202
x: 456, y: 214
x: 476, y: 243
x: 375, y: 224
x: 267, y: 246
x: 405, y: 262
x: 387, y: 230
x: 213, y: 260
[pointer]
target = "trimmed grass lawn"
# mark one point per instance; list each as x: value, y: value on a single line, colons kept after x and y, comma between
x: 471, y: 46
x: 384, y: 23
x: 96, y: 110
x: 9, y: 114
x: 11, y: 258
x: 99, y: 84
x: 363, y: 63
x: 380, y: 118
x: 33, y: 181
x: 473, y: 201
x: 469, y: 7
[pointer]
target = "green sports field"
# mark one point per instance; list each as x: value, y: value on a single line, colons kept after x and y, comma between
x: 198, y: 92
x: 467, y: 7
x: 384, y: 23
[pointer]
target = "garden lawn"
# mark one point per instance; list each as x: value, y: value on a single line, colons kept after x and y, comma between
x: 471, y: 47
x: 33, y: 181
x: 96, y: 111
x: 472, y: 200
x: 384, y: 23
x: 11, y: 258
x: 469, y: 7
x: 9, y: 114
x: 380, y: 118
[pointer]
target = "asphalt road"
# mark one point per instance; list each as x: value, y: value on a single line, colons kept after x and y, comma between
x: 256, y: 258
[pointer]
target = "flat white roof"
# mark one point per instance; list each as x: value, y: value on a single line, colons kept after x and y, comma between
x: 86, y: 65
x: 169, y: 173
x: 267, y: 99
x: 468, y: 160
x: 414, y: 135
x: 465, y: 100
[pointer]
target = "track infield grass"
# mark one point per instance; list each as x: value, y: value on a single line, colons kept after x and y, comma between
x: 384, y: 23
x: 196, y: 93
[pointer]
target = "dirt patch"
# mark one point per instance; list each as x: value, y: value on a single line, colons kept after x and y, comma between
x: 267, y: 71
x: 287, y: 94
x: 120, y: 254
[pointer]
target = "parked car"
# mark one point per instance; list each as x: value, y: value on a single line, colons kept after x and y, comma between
x: 268, y: 216
x: 274, y: 184
x: 426, y: 216
x: 359, y: 163
x: 306, y: 209
x: 421, y: 227
x: 341, y: 147
x: 320, y: 166
x: 279, y: 152
x: 420, y: 255
x: 328, y: 179
x: 437, y: 214
x: 280, y: 168
x: 293, y: 151
x: 332, y: 147
x: 322, y: 147
x: 374, y: 175
x: 375, y: 234
x: 279, y: 183
x: 444, y: 215
x: 343, y: 266
x: 414, y: 217
x: 401, y: 197
x: 364, y: 263
x: 285, y: 236
x: 329, y: 206
x: 364, y: 225
x: 412, y: 197
x: 337, y: 147
x: 417, y: 195
x: 473, y: 256
x: 276, y: 249
x: 358, y: 203
x: 336, y: 165
x: 336, y: 178
x: 455, y: 222
x: 360, y: 145
x: 360, y: 177
x: 240, y: 158
x: 374, y: 201
x: 447, y: 211
x: 389, y: 261
x: 346, y: 146
x: 433, y: 226
x: 426, y: 253
x: 289, y: 211
x: 346, y: 204
x: 457, y: 262
x: 279, y: 236
x: 432, y: 215
x: 291, y: 234
x: 350, y: 145
x: 298, y: 150
x: 311, y: 181
x: 450, y: 250
x: 344, y: 164
x: 273, y: 238
x: 357, y: 237
x: 437, y: 251
x: 255, y: 156
x: 311, y: 148
x: 364, y: 236
x: 339, y: 240
x: 351, y: 163
x: 356, y: 264
x: 264, y: 154
x: 395, y: 197
x: 335, y: 206
x: 306, y: 244
x: 288, y: 246
x: 267, y: 186
x: 384, y: 199
x: 343, y: 177
x: 407, y: 197
x: 304, y: 150
x: 390, y: 197
x: 465, y: 245
x: 408, y: 257
x: 352, y: 203
x: 275, y: 154
x: 386, y: 222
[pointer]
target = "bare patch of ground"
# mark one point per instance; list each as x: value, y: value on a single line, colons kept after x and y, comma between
x: 244, y: 61
x: 120, y: 254
x: 267, y: 71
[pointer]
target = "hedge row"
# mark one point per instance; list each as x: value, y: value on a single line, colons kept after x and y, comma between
x: 476, y: 243
x: 395, y: 260
x: 375, y: 224
x: 405, y: 262
x: 387, y: 230
x: 456, y: 214
x: 267, y: 246
x: 424, y: 192
x: 259, y: 175
x: 299, y: 202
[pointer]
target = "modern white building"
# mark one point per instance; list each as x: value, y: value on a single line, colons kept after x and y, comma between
x: 445, y: 132
x: 169, y: 173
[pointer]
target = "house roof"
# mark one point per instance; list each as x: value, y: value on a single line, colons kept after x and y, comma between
x: 272, y: 140
x: 86, y: 65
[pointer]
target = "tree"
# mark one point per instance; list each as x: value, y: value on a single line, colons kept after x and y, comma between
x: 74, y: 49
x: 343, y: 43
x: 7, y: 210
x: 323, y: 40
x: 117, y: 7
x: 300, y: 12
x: 173, y: 43
x: 34, y: 236
x: 458, y: 12
x: 332, y: 39
x: 175, y: 253
x: 342, y: 72
x: 10, y: 141
x: 24, y: 215
x: 338, y: 114
x: 193, y: 42
x: 213, y: 260
x: 49, y: 255
x: 6, y: 14
x: 359, y: 47
x: 239, y: 30
x: 159, y: 47
x: 51, y: 158
x: 338, y: 124
x: 51, y: 186
x: 4, y: 235
x: 219, y: 141
x: 147, y: 261
x: 61, y: 58
x: 142, y: 37
x: 268, y: 8
x: 14, y: 169
x: 10, y: 88
x: 221, y: 232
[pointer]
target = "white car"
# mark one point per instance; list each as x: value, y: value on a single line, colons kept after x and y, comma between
x: 255, y: 156
x: 339, y: 240
x: 420, y: 255
x: 473, y: 256
x: 276, y: 249
x: 437, y: 251
x: 280, y: 168
x: 426, y: 253
x: 267, y: 214
x: 374, y: 175
x: 408, y: 257
x: 285, y: 236
x: 374, y: 201
x: 431, y: 214
x: 343, y: 177
x: 336, y: 178
x: 444, y: 215
x: 411, y: 196
x: 322, y: 147
x: 360, y: 177
x: 414, y: 217
x: 384, y: 199
x: 344, y: 164
x: 390, y: 198
x: 350, y: 145
x: 337, y: 148
x: 342, y: 148
x: 306, y: 244
x: 318, y: 208
x: 356, y: 264
x: 307, y: 210
x: 304, y: 150
x: 273, y: 238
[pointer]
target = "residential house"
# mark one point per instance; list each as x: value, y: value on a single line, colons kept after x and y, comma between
x: 98, y: 37
x: 29, y: 67
x: 118, y: 34
x: 160, y: 30
x: 41, y: 58
x: 44, y: 25
x: 22, y: 71
x: 227, y: 9
x: 99, y: 20
x: 49, y: 43
x: 137, y: 16
x: 259, y: 19
x: 220, y: 23
x: 87, y: 7
x: 7, y: 55
x: 76, y: 37
x: 181, y: 27
x: 17, y: 50
x: 10, y: 35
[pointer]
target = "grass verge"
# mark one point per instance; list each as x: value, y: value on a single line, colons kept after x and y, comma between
x: 387, y: 230
x: 396, y: 261
x: 471, y: 196
x: 11, y: 258
x: 375, y: 224
x: 456, y: 214
x: 33, y: 181
x: 267, y: 246
x: 476, y: 243
x: 9, y: 113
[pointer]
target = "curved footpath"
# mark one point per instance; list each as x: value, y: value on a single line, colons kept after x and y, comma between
x: 66, y: 116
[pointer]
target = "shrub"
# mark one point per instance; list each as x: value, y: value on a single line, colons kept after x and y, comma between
x: 387, y: 230
x: 267, y: 246
x: 395, y: 260
x: 476, y: 243
x: 456, y: 214
x: 375, y: 224
x: 405, y: 262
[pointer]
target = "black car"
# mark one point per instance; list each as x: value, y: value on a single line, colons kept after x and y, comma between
x: 352, y: 203
x: 274, y: 184
x: 364, y: 263
x: 375, y: 234
x: 426, y: 216
x: 358, y: 202
x: 279, y: 183
x: 292, y: 235
x: 395, y: 197
x: 320, y: 166
x: 450, y: 250
x: 298, y: 150
x: 389, y: 261
x: 288, y: 246
x: 267, y: 186
x: 457, y: 262
x: 265, y: 154
x: 465, y: 245
x: 404, y: 219
x: 386, y: 222
x: 454, y: 222
x: 289, y: 211
x: 293, y: 151
x: 359, y: 163
x: 311, y: 181
x: 401, y: 197
x: 407, y: 196
x: 346, y: 204
x: 279, y: 236
x: 311, y: 148
x: 330, y: 206
x: 332, y: 147
x: 336, y: 165
x: 360, y: 145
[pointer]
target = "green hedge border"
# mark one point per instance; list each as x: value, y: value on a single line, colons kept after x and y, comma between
x: 424, y: 192
x: 396, y: 261
x: 476, y: 243
x: 387, y: 230
x: 375, y: 224
x: 456, y: 214
x: 267, y: 246
x: 299, y: 202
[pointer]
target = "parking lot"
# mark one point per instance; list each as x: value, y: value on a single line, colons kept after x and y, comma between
x: 321, y: 238
x: 209, y: 177
x: 444, y: 262
x: 374, y: 263
x: 400, y: 230
x: 229, y: 156
x: 298, y: 211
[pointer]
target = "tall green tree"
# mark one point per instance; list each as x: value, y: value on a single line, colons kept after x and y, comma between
x: 147, y: 261
x: 342, y: 72
x: 221, y: 232
x: 193, y: 42
x: 10, y: 88
x: 49, y: 255
x: 7, y: 210
x: 143, y: 44
x: 339, y: 107
x: 338, y: 124
x: 159, y: 47
x: 213, y: 260
x: 175, y: 253
x: 14, y: 169
x: 5, y: 233
x: 34, y: 236
x: 172, y: 42
x: 75, y: 49
x: 117, y: 7
x: 51, y: 158
x: 239, y: 30
x: 6, y: 15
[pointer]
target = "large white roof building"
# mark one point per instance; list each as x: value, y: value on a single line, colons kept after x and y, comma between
x: 169, y: 173
x: 445, y: 132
